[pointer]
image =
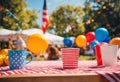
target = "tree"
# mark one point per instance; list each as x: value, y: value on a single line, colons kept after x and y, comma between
x: 104, y: 13
x: 66, y: 20
x: 88, y: 18
x: 14, y: 14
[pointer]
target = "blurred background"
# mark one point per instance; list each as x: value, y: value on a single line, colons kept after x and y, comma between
x: 66, y: 18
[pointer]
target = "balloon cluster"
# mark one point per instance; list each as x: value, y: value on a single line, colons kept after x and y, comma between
x: 99, y: 36
x: 37, y: 44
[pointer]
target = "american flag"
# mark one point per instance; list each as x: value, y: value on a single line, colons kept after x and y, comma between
x: 45, y: 20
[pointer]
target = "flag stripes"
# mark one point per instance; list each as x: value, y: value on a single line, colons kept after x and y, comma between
x: 45, y: 19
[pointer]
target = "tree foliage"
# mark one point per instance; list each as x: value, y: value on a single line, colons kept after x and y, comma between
x: 104, y: 13
x: 14, y: 14
x: 64, y: 16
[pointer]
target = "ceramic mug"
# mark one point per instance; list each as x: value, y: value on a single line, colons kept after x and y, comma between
x: 17, y: 58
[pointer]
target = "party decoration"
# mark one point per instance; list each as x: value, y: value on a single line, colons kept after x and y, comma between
x: 104, y: 7
x: 92, y: 20
x: 111, y: 12
x: 88, y: 22
x: 68, y: 28
x: 107, y: 25
x: 115, y: 40
x: 11, y: 15
x: 81, y: 41
x: 1, y: 7
x: 101, y: 34
x: 86, y: 16
x: 68, y: 42
x: 98, y: 0
x: 37, y: 44
x: 90, y: 36
x: 4, y: 57
x: 93, y: 44
x: 99, y: 12
x: 6, y: 60
x: 5, y: 19
x: 4, y: 52
x: 103, y: 43
x: 107, y: 39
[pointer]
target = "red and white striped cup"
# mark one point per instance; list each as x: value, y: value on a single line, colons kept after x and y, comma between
x: 70, y: 57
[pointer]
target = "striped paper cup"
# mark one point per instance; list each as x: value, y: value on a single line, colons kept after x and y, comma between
x: 70, y: 57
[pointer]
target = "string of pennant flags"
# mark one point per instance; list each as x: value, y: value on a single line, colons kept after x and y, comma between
x: 10, y: 14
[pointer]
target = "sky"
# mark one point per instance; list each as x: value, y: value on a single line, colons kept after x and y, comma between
x: 51, y: 5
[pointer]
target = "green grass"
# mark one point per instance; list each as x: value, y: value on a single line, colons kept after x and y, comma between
x: 39, y: 59
x: 80, y: 58
x: 86, y: 57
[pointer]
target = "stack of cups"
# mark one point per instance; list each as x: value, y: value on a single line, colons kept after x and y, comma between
x: 70, y: 57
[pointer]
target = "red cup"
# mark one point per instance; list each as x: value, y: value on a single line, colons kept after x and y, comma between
x: 98, y: 55
x: 70, y: 57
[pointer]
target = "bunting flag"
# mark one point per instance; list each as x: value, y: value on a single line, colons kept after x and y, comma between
x: 45, y: 20
x: 98, y: 1
x: 68, y: 28
x: 1, y: 7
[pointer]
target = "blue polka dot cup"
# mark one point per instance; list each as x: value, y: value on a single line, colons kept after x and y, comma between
x: 18, y: 58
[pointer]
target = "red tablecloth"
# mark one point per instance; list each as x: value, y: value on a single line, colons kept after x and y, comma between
x: 111, y: 74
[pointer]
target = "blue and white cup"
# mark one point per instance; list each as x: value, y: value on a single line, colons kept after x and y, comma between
x: 18, y: 58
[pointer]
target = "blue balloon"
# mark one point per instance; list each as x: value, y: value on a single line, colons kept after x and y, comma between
x: 101, y: 34
x: 68, y: 42
x: 93, y: 43
x: 107, y: 39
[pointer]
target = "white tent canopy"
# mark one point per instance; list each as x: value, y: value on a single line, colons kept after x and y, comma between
x: 6, y: 32
x: 54, y: 39
x: 50, y: 37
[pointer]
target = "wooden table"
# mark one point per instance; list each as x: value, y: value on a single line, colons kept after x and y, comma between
x: 53, y: 78
x: 64, y: 76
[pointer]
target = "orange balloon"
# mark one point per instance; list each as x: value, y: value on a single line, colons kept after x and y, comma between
x: 1, y: 60
x: 115, y: 41
x: 6, y: 60
x: 81, y: 41
x: 4, y: 52
x: 37, y: 44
